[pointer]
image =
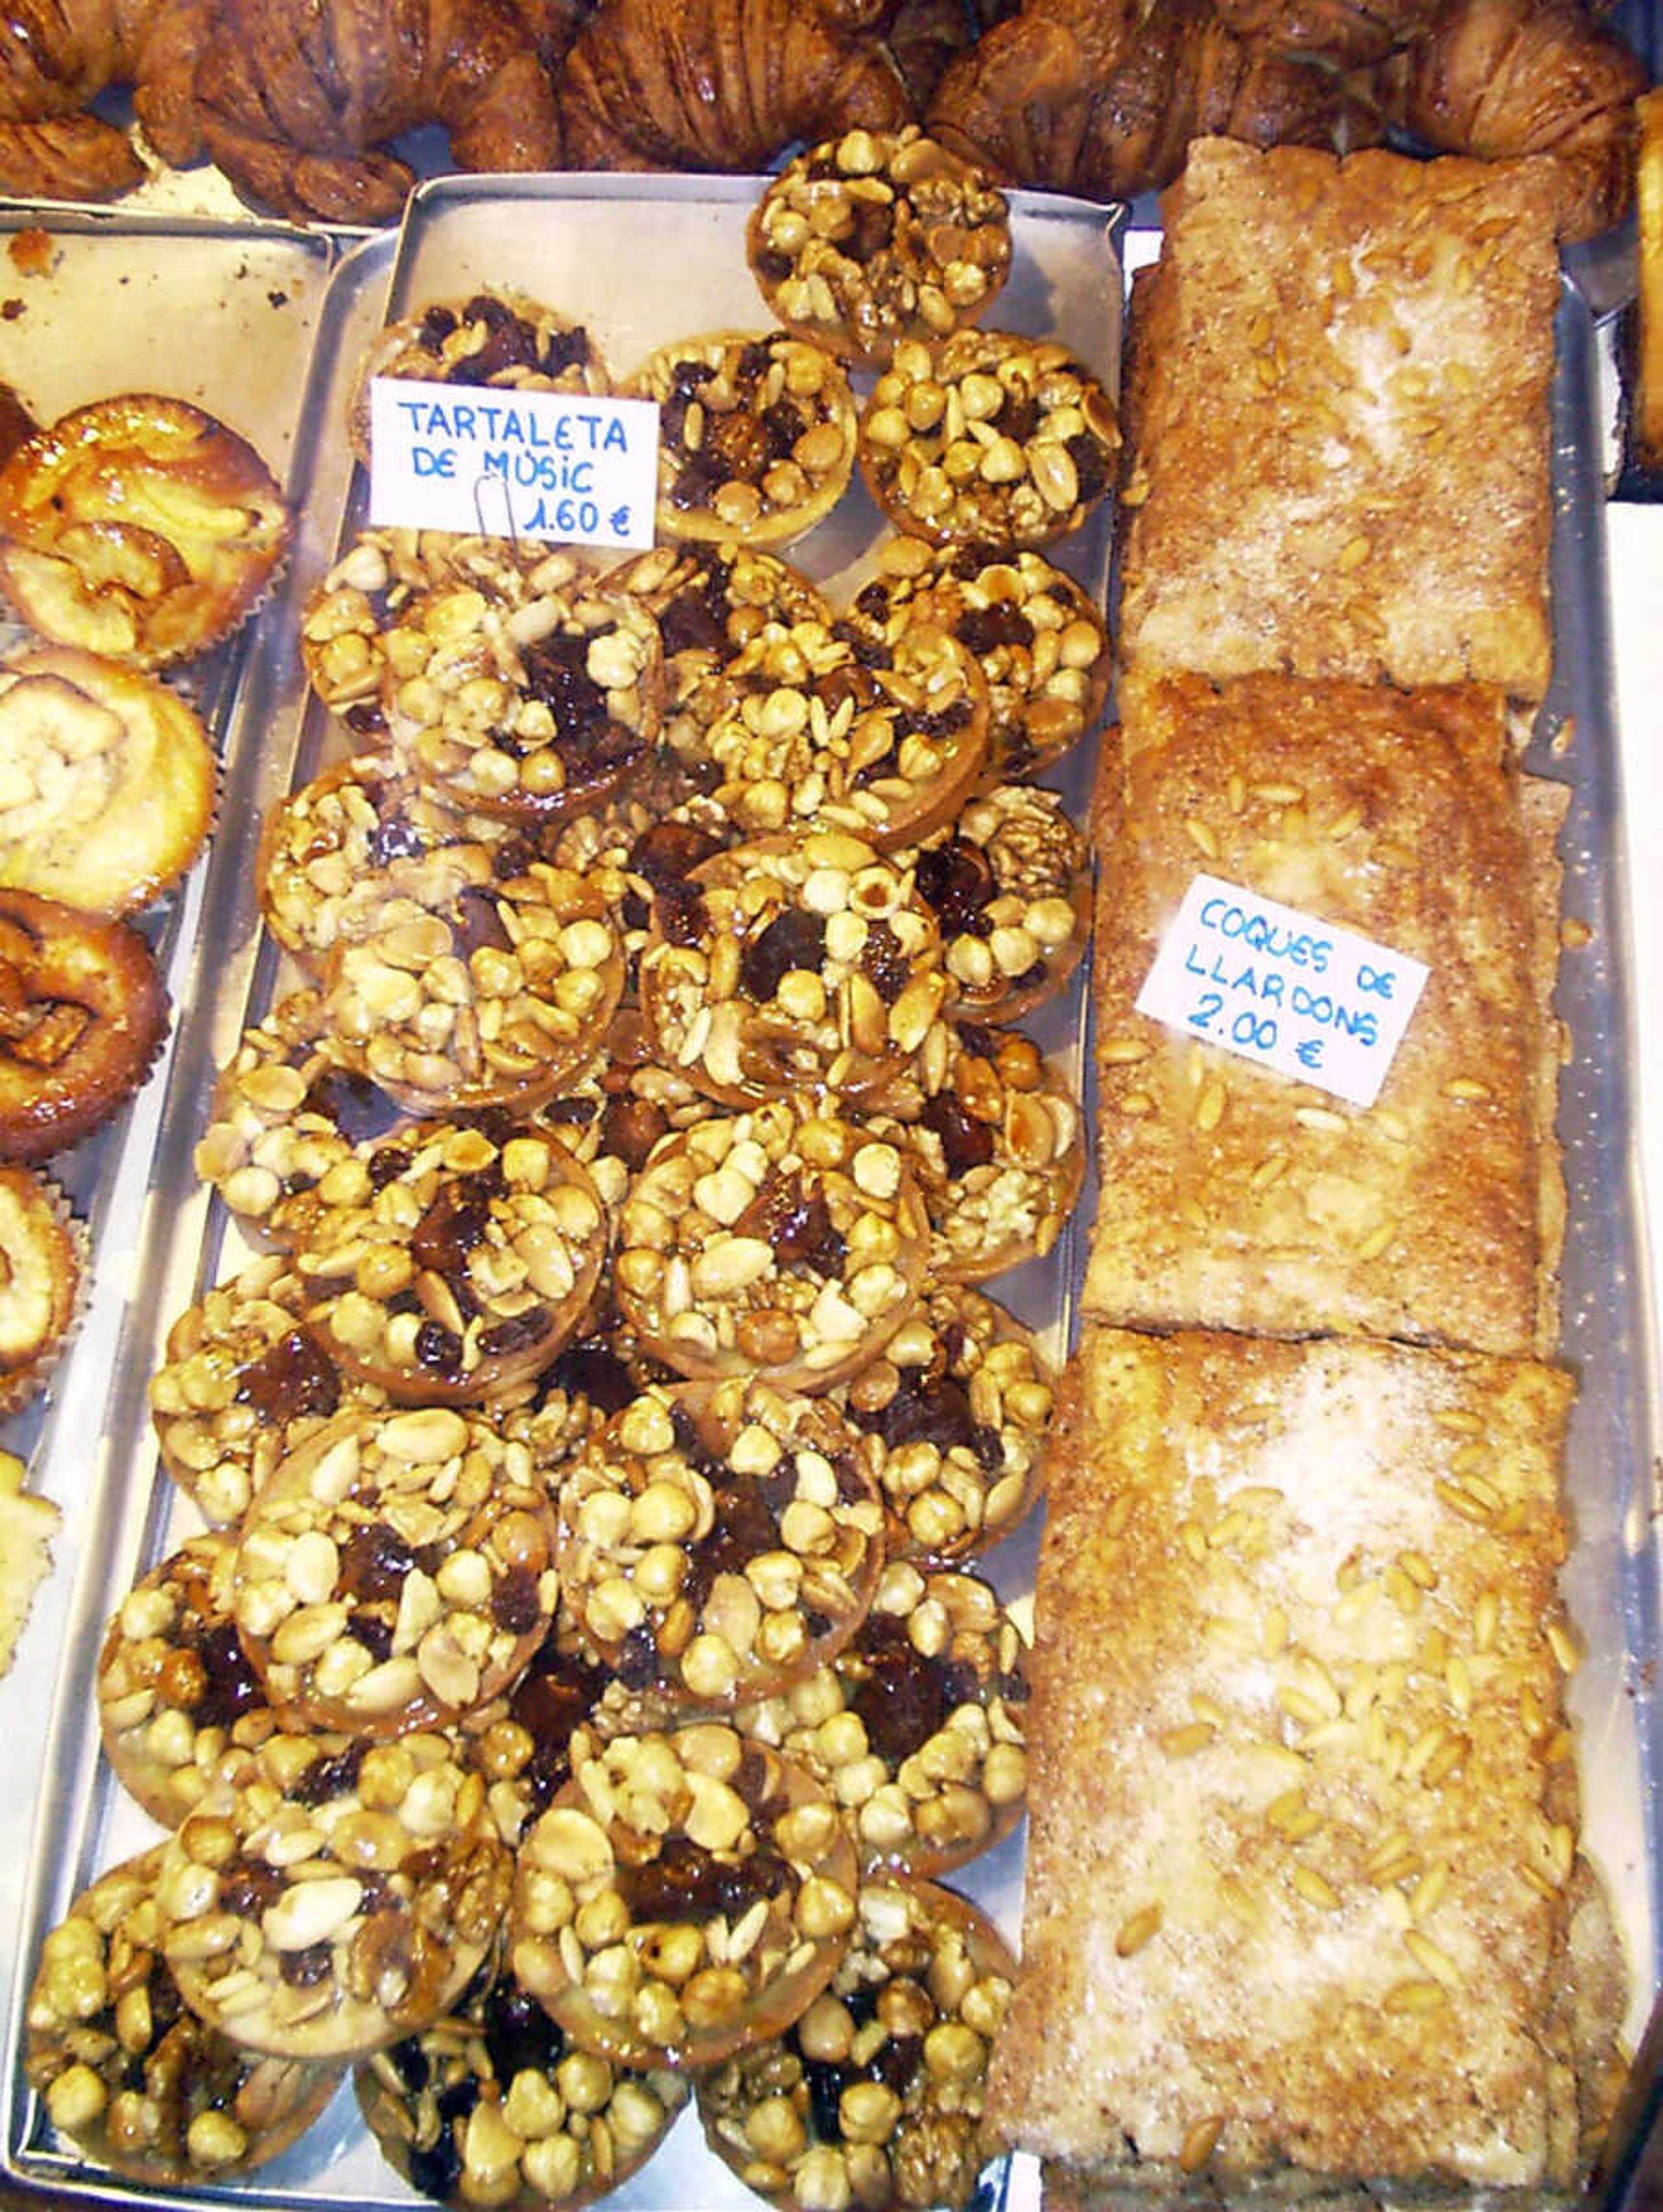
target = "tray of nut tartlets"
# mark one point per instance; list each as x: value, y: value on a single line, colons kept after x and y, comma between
x: 557, y: 1627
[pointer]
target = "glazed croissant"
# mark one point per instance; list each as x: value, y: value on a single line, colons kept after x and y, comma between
x: 1347, y: 33
x: 296, y: 102
x: 1501, y: 78
x: 57, y: 55
x: 1102, y: 97
x: 720, y: 84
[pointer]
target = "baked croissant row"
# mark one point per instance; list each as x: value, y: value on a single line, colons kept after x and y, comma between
x: 1104, y: 100
x: 57, y: 55
x: 721, y: 84
x: 1495, y: 77
x: 295, y: 99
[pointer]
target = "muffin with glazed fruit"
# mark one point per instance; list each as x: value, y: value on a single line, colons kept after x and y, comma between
x: 138, y: 527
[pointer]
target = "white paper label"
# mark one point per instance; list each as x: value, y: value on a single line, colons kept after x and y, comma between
x: 1277, y: 986
x: 497, y: 464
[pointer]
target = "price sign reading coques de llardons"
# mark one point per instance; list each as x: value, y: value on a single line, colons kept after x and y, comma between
x: 504, y: 463
x: 1262, y: 979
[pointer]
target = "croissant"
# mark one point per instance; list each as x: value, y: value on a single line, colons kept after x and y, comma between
x: 1102, y: 97
x: 294, y: 102
x: 1350, y: 33
x: 57, y: 55
x: 720, y: 84
x: 1501, y: 77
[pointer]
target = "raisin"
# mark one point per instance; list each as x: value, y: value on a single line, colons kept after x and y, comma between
x: 796, y: 1221
x: 1018, y: 416
x: 359, y: 1109
x: 902, y: 1702
x: 957, y: 883
x: 1091, y: 465
x: 665, y: 854
x: 454, y: 1224
x: 478, y: 923
x: 437, y: 2171
x: 557, y: 673
x: 874, y: 603
x: 681, y: 915
x: 773, y: 266
x: 883, y: 962
x: 744, y: 1528
x: 738, y: 445
x: 966, y: 1143
x: 292, y: 1377
x: 686, y: 1882
x: 982, y: 630
x: 514, y: 1334
x: 387, y: 1165
x: 794, y: 939
x: 520, y: 2037
x: 438, y: 1349
x: 630, y: 1127
x: 515, y: 1606
x: 782, y: 425
x: 437, y: 324
x: 393, y: 838
x: 304, y: 1970
x: 248, y: 1886
x: 232, y: 1687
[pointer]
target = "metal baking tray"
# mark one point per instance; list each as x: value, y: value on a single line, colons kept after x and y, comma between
x: 223, y: 316
x: 64, y: 1819
x: 681, y: 242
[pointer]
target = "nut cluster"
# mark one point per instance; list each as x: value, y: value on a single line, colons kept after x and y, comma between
x: 800, y: 729
x: 525, y: 711
x: 128, y: 2072
x: 337, y: 1896
x: 685, y: 1893
x: 998, y: 1153
x: 244, y: 1383
x: 1010, y: 889
x: 961, y: 1399
x: 1042, y: 644
x: 444, y: 1263
x: 795, y: 964
x: 756, y: 435
x: 716, y: 1537
x: 915, y: 1726
x: 491, y: 2105
x: 397, y: 1572
x: 990, y: 439
x: 178, y: 1699
x: 874, y: 2096
x: 879, y: 235
x: 783, y: 1242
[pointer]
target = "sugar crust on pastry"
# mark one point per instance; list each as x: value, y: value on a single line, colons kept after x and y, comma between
x: 1303, y: 1823
x: 1233, y: 1197
x: 1341, y: 420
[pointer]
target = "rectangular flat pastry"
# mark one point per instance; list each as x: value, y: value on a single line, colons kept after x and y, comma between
x: 1302, y: 1872
x: 1235, y: 1197
x: 1338, y: 422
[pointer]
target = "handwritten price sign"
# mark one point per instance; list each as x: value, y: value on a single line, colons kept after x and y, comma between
x: 545, y: 464
x: 1260, y: 979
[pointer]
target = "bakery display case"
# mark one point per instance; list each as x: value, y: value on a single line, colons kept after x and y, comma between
x: 271, y: 327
